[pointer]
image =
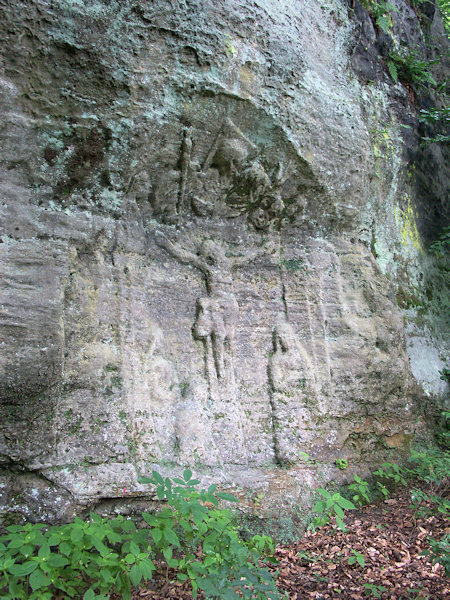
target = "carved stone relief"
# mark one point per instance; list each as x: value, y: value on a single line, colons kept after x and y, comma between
x: 229, y: 166
x: 293, y: 394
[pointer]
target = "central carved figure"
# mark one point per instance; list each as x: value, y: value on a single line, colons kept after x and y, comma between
x: 217, y: 313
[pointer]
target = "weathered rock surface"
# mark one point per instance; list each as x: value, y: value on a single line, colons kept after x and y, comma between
x: 201, y: 204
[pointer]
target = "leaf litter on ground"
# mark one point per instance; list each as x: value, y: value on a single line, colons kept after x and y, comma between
x: 390, y: 536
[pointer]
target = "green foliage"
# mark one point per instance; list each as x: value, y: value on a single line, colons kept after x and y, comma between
x: 357, y: 557
x: 92, y: 559
x: 292, y: 264
x: 443, y: 431
x: 341, y: 463
x: 431, y: 465
x: 380, y: 11
x: 383, y: 489
x: 83, y: 559
x: 442, y: 245
x: 444, y: 7
x: 330, y: 505
x: 408, y: 67
x: 374, y: 590
x: 391, y: 472
x: 439, y: 552
x: 360, y: 489
x: 439, y: 116
x: 227, y: 562
x: 433, y: 115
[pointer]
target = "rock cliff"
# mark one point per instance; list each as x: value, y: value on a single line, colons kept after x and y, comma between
x: 209, y: 215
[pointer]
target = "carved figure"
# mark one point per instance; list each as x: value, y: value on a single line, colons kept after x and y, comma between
x: 217, y: 313
x: 231, y: 177
x: 293, y: 391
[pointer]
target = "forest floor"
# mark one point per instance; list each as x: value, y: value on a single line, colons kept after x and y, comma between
x: 388, y: 537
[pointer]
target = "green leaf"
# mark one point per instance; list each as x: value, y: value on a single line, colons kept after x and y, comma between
x: 324, y: 493
x: 89, y: 594
x: 56, y: 560
x: 171, y: 537
x: 7, y: 563
x: 136, y: 575
x: 16, y: 542
x: 144, y: 479
x: 178, y: 480
x: 76, y: 535
x: 44, y: 551
x: 147, y: 567
x: 226, y: 496
x: 187, y: 474
x: 393, y: 71
x: 38, y: 580
x: 384, y: 23
x: 338, y: 510
x: 54, y: 540
x: 101, y: 548
x: 345, y: 503
x: 114, y: 537
x: 65, y: 548
x: 156, y: 534
x: 24, y: 569
x: 134, y: 548
x: 157, y: 477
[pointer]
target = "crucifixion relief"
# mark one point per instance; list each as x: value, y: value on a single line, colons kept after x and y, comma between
x: 217, y: 313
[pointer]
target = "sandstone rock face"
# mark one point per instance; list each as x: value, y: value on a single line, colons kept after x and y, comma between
x: 200, y: 202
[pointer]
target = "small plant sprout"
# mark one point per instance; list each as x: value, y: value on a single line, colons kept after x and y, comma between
x: 331, y: 505
x: 356, y: 557
x: 360, y: 489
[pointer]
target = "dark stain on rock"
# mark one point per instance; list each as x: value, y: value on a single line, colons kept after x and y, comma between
x: 89, y: 152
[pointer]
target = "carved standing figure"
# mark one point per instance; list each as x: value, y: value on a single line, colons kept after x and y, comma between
x: 217, y: 313
x: 293, y: 392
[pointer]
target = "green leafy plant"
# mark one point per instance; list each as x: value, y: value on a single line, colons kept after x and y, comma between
x: 330, y: 505
x: 383, y: 489
x: 408, y: 67
x: 83, y: 559
x: 226, y: 561
x: 445, y: 376
x: 356, y: 557
x: 439, y: 552
x: 374, y: 590
x: 433, y: 467
x: 392, y: 472
x: 442, y: 245
x: 341, y: 463
x: 95, y: 558
x: 292, y: 264
x: 380, y: 11
x: 361, y: 491
x: 444, y: 7
x: 437, y: 116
